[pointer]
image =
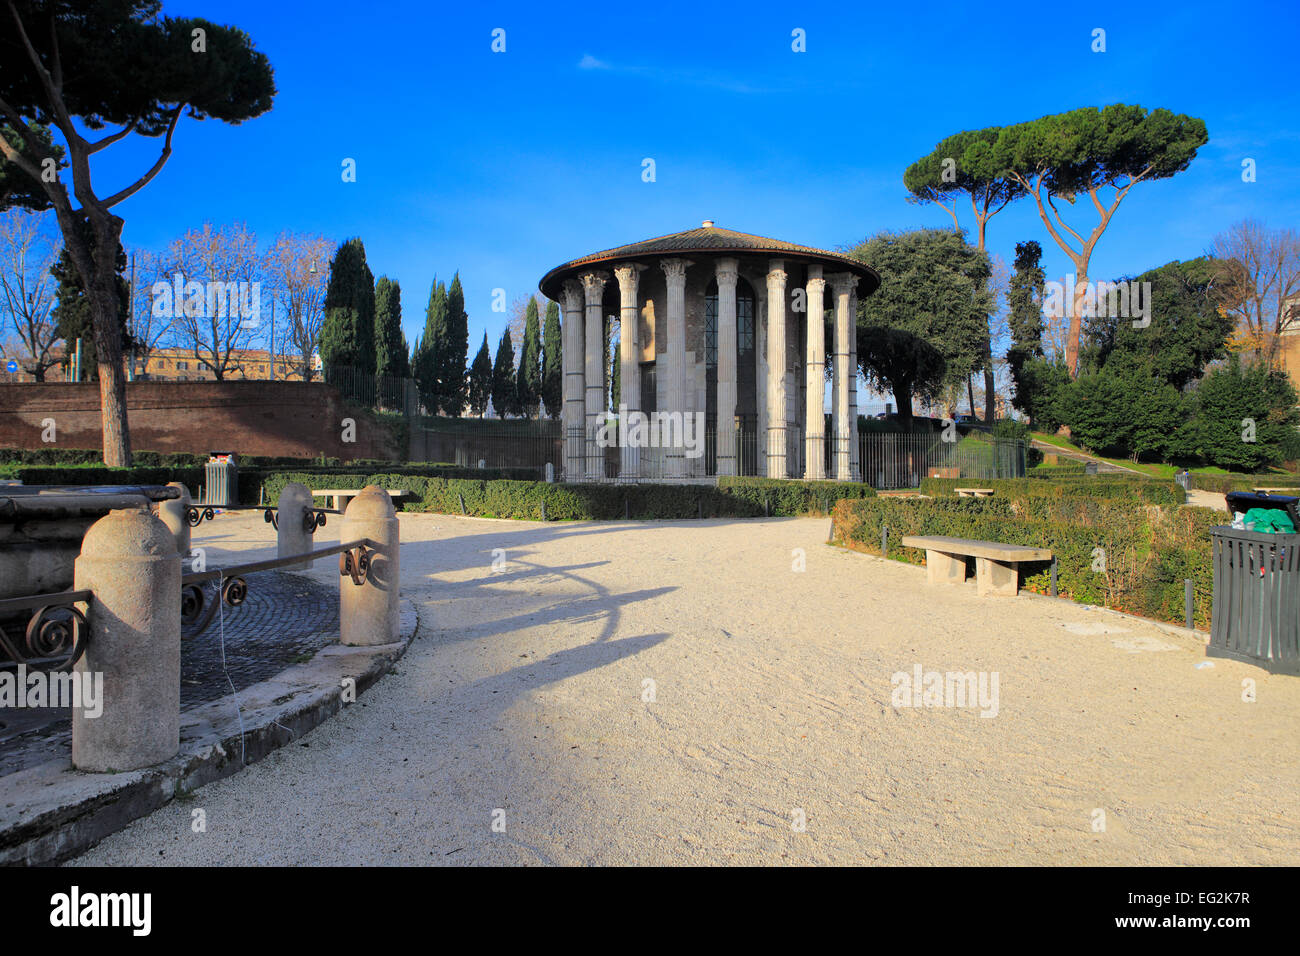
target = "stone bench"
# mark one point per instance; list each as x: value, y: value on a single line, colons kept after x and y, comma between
x: 341, y: 496
x: 995, y: 564
x: 974, y: 492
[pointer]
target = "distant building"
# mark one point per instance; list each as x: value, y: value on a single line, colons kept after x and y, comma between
x: 181, y: 365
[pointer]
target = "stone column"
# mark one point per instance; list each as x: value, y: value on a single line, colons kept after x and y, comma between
x: 593, y: 286
x: 368, y: 612
x: 629, y: 352
x: 129, y: 560
x: 727, y: 272
x: 776, y: 367
x: 815, y: 429
x: 574, y: 415
x: 675, y: 273
x: 842, y: 285
x: 175, y: 514
x: 291, y: 536
x: 855, y: 441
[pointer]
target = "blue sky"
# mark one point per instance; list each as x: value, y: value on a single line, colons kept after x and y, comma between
x: 503, y: 165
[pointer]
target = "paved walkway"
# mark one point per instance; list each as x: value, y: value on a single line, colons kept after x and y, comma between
x: 1073, y: 454
x: 772, y: 701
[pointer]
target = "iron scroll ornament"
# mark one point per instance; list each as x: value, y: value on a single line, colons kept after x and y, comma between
x: 196, y: 515
x: 197, y: 613
x: 355, y: 564
x: 312, y: 519
x: 55, y: 639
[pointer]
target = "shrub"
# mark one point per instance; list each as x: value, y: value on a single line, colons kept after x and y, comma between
x: 1145, y: 490
x: 505, y: 498
x: 1148, y: 549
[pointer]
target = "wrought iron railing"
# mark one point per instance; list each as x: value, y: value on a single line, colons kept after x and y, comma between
x: 312, y: 518
x: 56, y: 632
x: 55, y: 635
x: 197, y: 613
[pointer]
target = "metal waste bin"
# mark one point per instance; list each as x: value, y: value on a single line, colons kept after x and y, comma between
x: 1090, y: 468
x: 1184, y: 479
x: 1256, y: 610
x: 222, y: 480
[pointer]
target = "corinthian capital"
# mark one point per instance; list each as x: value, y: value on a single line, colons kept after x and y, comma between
x: 776, y: 275
x: 572, y: 295
x: 593, y: 283
x: 627, y: 274
x: 843, y: 283
x: 815, y: 284
x: 728, y: 270
x: 674, y: 270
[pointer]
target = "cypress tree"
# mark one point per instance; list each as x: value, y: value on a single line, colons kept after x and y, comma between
x: 503, y: 378
x: 480, y: 379
x: 552, y: 386
x: 1025, y: 319
x: 347, y: 335
x: 528, y: 384
x: 390, y: 342
x: 72, y: 312
x: 430, y: 348
x: 456, y: 354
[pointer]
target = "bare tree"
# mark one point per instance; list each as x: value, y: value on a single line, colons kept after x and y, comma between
x: 27, y: 251
x: 219, y: 312
x: 1260, y: 284
x: 149, y: 330
x: 298, y: 274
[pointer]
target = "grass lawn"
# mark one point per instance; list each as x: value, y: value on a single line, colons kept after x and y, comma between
x: 1159, y: 470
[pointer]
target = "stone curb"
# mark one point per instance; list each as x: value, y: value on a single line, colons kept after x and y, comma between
x: 51, y: 812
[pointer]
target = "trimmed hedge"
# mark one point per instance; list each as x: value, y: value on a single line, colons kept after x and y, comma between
x: 1148, y: 549
x: 788, y: 498
x: 1057, y: 471
x: 250, y: 478
x: 1146, y: 490
x: 505, y: 498
x: 1239, y: 482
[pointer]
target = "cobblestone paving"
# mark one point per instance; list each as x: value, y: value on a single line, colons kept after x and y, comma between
x: 285, y: 619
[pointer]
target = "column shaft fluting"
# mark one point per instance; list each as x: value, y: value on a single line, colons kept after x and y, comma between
x: 842, y: 285
x: 815, y: 383
x: 593, y: 286
x: 629, y: 350
x: 727, y: 272
x: 855, y: 440
x: 776, y: 369
x: 572, y: 359
x: 675, y: 274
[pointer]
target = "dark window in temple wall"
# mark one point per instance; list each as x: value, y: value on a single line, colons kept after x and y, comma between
x: 649, y: 394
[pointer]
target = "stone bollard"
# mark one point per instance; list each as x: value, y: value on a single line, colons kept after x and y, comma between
x: 291, y: 537
x: 129, y: 560
x: 368, y: 612
x: 175, y: 514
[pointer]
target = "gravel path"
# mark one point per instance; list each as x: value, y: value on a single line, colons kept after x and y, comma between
x: 772, y: 698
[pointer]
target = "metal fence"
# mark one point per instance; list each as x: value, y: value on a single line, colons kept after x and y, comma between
x: 509, y: 443
x: 901, y: 461
x: 381, y: 392
x: 887, y: 460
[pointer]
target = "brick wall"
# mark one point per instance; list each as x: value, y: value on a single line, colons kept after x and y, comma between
x: 251, y: 418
